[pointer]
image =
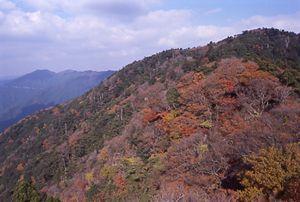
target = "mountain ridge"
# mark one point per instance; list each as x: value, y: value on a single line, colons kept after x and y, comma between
x: 175, y: 124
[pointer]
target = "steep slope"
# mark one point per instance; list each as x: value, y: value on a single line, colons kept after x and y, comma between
x: 172, y: 126
x: 41, y: 89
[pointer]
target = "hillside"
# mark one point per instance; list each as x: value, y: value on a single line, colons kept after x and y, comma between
x: 212, y: 123
x: 41, y: 89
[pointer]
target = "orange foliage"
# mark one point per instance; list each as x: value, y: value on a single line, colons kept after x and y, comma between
x: 198, y: 108
x: 232, y: 123
x: 253, y: 73
x: 120, y: 182
x: 182, y: 125
x: 56, y: 111
x: 20, y: 167
x: 228, y: 102
x: 189, y: 83
x: 233, y: 71
x: 190, y: 78
x: 227, y: 85
x: 150, y: 115
x: 192, y: 94
x: 103, y: 154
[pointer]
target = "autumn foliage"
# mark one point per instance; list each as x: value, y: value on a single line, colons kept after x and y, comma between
x: 213, y: 123
x: 271, y: 170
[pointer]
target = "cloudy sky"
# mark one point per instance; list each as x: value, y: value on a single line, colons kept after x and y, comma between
x: 108, y: 34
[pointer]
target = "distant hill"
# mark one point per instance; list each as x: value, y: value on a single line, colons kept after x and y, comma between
x: 6, y: 79
x: 40, y: 89
x: 214, y: 123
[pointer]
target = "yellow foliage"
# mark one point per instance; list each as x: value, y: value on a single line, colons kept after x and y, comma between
x: 108, y: 171
x: 270, y: 171
x: 203, y: 148
x: 131, y: 160
x: 250, y: 194
x: 206, y: 124
x: 171, y: 116
x: 89, y: 176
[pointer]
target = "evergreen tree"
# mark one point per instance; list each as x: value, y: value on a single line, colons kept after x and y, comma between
x: 25, y: 192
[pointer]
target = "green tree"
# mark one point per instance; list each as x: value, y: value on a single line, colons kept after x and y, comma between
x: 173, y: 97
x: 25, y: 192
x: 51, y: 199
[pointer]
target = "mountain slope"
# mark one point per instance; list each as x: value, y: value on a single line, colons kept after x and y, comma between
x: 41, y: 89
x: 172, y: 126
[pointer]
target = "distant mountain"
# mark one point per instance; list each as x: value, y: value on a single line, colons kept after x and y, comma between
x: 40, y: 89
x: 6, y: 79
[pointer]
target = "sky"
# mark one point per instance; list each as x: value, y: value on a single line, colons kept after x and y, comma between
x: 108, y: 34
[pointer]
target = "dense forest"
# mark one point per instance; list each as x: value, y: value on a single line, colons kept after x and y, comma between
x: 212, y: 123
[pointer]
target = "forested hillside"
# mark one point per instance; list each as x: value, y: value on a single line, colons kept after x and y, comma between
x: 213, y: 123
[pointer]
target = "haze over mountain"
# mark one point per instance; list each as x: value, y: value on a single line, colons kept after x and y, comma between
x: 214, y: 123
x: 41, y: 89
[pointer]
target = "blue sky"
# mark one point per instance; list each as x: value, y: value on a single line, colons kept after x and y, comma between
x: 239, y: 8
x: 108, y: 34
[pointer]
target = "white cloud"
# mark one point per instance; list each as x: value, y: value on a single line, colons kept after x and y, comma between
x: 286, y: 22
x: 100, y: 7
x: 43, y: 38
x: 190, y: 36
x: 213, y: 11
x: 6, y: 5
